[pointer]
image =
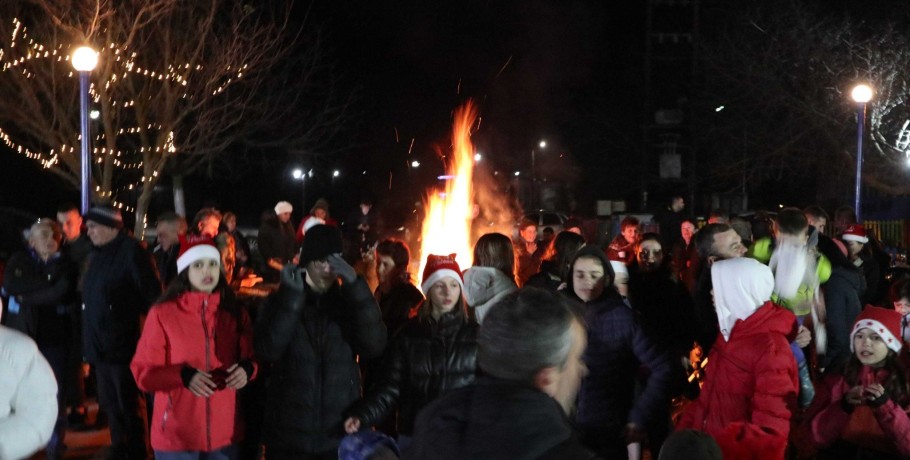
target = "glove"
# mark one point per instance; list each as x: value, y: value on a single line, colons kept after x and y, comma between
x: 342, y: 268
x: 291, y: 289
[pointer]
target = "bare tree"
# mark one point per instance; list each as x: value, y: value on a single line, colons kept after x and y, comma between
x: 178, y: 84
x: 783, y: 72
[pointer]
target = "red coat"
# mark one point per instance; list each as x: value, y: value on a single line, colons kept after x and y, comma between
x: 191, y: 331
x: 890, y: 434
x: 750, y: 388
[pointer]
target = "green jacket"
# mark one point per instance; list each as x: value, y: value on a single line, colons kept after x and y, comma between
x: 800, y: 304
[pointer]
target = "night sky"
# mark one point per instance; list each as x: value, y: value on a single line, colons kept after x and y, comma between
x: 570, y: 72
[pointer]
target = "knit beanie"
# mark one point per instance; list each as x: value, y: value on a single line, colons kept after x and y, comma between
x: 321, y: 242
x: 283, y: 207
x: 320, y: 204
x: 855, y: 232
x: 886, y: 323
x: 437, y: 268
x: 196, y: 247
x: 105, y: 215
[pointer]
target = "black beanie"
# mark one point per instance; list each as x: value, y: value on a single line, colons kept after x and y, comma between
x: 320, y: 242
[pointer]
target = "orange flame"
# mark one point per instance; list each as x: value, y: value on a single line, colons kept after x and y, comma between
x: 447, y: 225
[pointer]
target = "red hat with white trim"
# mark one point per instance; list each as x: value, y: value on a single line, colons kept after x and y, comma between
x: 196, y: 247
x: 439, y: 267
x: 855, y: 232
x: 885, y: 322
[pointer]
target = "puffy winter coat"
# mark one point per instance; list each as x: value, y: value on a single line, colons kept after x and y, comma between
x: 890, y: 432
x: 484, y: 286
x: 119, y: 285
x: 495, y: 419
x: 28, y: 396
x: 750, y: 387
x: 426, y: 360
x: 313, y: 340
x: 45, y: 293
x: 192, y: 332
x: 842, y: 305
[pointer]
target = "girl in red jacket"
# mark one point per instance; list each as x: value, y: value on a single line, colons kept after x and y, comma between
x: 865, y: 412
x: 195, y: 351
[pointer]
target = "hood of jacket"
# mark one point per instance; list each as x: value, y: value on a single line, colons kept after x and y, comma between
x: 486, y: 285
x: 609, y: 274
x: 741, y: 286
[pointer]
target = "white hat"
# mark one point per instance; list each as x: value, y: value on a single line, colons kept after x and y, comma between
x: 283, y: 207
x: 193, y: 248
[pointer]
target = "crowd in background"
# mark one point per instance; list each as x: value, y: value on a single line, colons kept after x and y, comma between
x: 777, y: 337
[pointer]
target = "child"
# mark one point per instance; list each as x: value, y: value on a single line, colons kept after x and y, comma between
x: 866, y: 412
x: 434, y: 353
x: 900, y: 298
x: 751, y: 377
x: 194, y: 353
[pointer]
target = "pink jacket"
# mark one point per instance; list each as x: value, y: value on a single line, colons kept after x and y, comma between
x: 750, y: 387
x: 191, y: 331
x: 829, y: 423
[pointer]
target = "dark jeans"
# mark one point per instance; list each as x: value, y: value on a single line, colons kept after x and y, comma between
x: 121, y: 400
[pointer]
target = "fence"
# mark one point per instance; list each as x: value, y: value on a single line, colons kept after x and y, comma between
x: 893, y: 233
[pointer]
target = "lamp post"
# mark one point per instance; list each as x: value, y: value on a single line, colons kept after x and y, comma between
x: 542, y: 145
x: 300, y: 174
x: 861, y: 94
x: 84, y: 60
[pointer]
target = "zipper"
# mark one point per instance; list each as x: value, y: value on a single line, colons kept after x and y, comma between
x: 208, y: 412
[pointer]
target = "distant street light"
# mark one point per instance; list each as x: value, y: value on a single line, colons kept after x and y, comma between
x: 297, y: 173
x: 517, y: 173
x: 478, y: 157
x: 84, y: 60
x: 94, y: 114
x: 542, y: 144
x: 300, y: 174
x: 415, y: 164
x: 336, y: 173
x: 861, y: 94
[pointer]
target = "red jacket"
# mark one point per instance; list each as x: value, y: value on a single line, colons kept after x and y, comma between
x: 750, y: 387
x: 891, y: 434
x: 191, y: 331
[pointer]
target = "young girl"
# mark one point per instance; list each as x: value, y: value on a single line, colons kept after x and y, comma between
x: 865, y: 415
x: 195, y: 352
x: 434, y: 353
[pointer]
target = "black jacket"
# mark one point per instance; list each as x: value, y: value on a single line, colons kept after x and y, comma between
x: 119, y: 285
x: 842, y: 305
x: 166, y: 263
x: 427, y: 359
x: 276, y: 240
x: 495, y: 419
x: 396, y: 305
x: 46, y: 294
x: 312, y: 340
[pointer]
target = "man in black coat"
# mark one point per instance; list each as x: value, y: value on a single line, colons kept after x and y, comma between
x: 312, y: 331
x: 119, y: 286
x: 277, y: 242
x: 530, y: 347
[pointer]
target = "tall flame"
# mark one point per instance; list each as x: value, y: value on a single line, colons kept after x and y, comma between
x: 447, y: 225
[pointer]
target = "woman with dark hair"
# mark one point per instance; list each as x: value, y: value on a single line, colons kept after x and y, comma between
x: 609, y: 415
x: 555, y: 266
x: 434, y: 353
x: 195, y: 352
x: 395, y: 294
x: 493, y: 275
x: 842, y: 302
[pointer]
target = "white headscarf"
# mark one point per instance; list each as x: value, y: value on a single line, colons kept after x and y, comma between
x: 741, y: 285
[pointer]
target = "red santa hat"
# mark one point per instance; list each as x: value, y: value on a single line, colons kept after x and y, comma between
x: 196, y: 247
x: 437, y: 268
x: 855, y: 232
x: 885, y: 322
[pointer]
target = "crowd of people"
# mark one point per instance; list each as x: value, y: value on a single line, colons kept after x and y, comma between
x: 769, y: 339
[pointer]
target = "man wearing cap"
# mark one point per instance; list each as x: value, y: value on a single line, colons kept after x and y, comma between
x: 120, y: 284
x: 277, y: 242
x: 312, y: 331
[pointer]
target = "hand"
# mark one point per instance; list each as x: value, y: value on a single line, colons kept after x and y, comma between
x: 342, y: 268
x: 292, y: 277
x: 873, y: 392
x: 855, y: 395
x: 237, y: 378
x: 202, y: 385
x: 275, y: 263
x: 803, y: 337
x: 352, y: 425
x: 633, y: 433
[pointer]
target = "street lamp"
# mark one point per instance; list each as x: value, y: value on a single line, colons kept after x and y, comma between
x: 542, y: 144
x: 862, y: 94
x: 84, y: 60
x: 300, y: 174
